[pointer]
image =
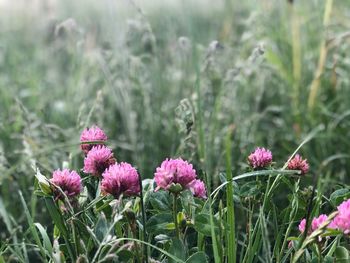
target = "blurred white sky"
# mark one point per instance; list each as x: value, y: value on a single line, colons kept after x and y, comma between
x: 113, y: 14
x: 36, y: 5
x: 14, y: 12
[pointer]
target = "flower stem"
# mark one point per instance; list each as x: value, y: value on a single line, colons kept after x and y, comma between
x: 293, y: 213
x: 144, y: 248
x: 175, y: 215
x: 319, y: 252
x: 136, y: 245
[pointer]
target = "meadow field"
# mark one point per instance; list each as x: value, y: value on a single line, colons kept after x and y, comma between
x: 234, y: 114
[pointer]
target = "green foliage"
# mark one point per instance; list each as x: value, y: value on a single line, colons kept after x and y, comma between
x: 339, y: 196
x: 341, y: 254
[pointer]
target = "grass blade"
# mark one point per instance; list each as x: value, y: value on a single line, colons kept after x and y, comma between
x: 32, y: 228
x: 46, y: 240
x: 59, y: 222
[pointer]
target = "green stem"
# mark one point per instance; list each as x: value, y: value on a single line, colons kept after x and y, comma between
x: 75, y: 238
x: 200, y: 242
x: 175, y: 215
x: 291, y: 218
x: 145, y: 252
x: 319, y: 252
x: 137, y: 251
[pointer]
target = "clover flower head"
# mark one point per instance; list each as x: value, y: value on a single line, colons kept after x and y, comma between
x: 318, y: 221
x: 68, y: 181
x: 174, y: 171
x: 342, y: 220
x: 98, y: 159
x: 302, y: 225
x: 260, y: 158
x: 90, y: 135
x: 298, y: 163
x: 315, y: 224
x: 197, y: 188
x: 120, y: 179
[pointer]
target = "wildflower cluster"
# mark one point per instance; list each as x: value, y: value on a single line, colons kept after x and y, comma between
x: 262, y: 158
x: 99, y: 161
x: 341, y: 222
x: 122, y: 178
x: 315, y: 224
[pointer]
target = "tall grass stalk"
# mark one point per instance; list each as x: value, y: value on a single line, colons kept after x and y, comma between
x: 202, y: 155
x: 231, y: 235
x: 296, y: 50
x: 215, y: 124
x: 315, y: 84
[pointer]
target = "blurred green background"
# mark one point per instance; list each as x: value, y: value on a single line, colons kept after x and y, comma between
x: 151, y: 72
